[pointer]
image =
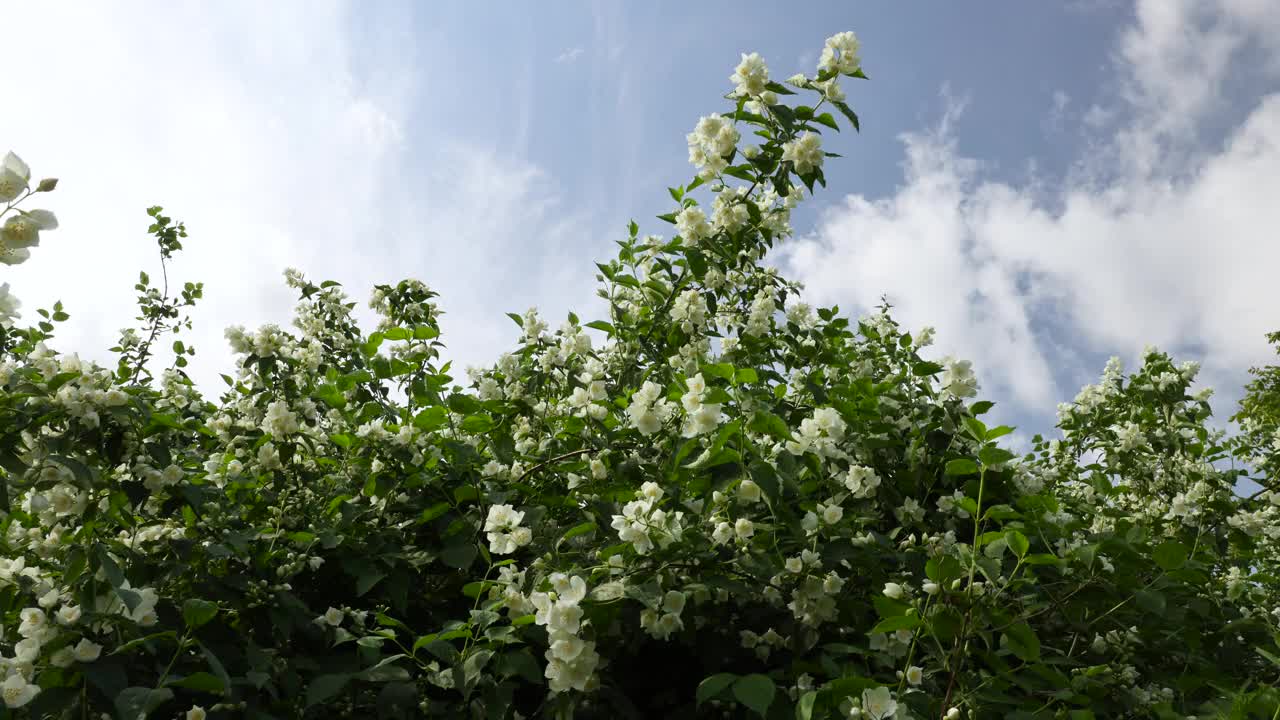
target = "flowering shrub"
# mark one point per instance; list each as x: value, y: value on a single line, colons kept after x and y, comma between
x: 716, y: 501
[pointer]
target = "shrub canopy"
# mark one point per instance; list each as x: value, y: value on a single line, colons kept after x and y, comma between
x: 716, y: 501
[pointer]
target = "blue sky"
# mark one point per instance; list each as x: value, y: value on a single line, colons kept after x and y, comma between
x: 1046, y: 183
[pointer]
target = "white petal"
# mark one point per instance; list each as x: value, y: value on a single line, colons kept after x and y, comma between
x: 45, y: 219
x: 14, y: 257
x: 14, y: 163
x: 11, y: 184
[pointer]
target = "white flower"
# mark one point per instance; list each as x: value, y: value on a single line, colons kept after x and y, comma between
x: 915, y: 675
x: 862, y: 481
x: 568, y: 589
x: 809, y: 523
x: 749, y: 491
x: 651, y: 491
x: 703, y: 420
x: 833, y: 91
x: 86, y: 651
x: 840, y: 53
x: 26, y: 651
x: 9, y: 305
x: 14, y: 177
x: 22, y: 231
x: 33, y: 620
x: 692, y: 225
x: 69, y: 614
x: 17, y: 691
x: 723, y: 533
x: 332, y: 617
x: 831, y: 514
x: 805, y: 152
x: 931, y: 588
x: 279, y: 420
x: 750, y: 76
x: 958, y: 380
x: 744, y: 528
x: 501, y: 517
x: 63, y: 658
x: 893, y: 590
x: 196, y: 713
x: 878, y: 704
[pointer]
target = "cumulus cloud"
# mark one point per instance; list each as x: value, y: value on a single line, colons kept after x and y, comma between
x: 254, y: 124
x: 1159, y: 234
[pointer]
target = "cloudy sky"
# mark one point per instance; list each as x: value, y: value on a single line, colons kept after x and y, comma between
x: 1047, y: 184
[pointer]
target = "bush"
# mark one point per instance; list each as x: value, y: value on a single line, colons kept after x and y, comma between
x: 717, y: 501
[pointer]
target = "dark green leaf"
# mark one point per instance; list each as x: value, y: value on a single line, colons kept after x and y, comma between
x: 712, y: 686
x: 196, y: 612
x: 756, y: 691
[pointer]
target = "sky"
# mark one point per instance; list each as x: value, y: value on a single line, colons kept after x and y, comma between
x: 1047, y: 184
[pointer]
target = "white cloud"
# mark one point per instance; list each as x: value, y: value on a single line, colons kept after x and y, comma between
x: 1156, y: 236
x: 569, y: 55
x: 251, y: 123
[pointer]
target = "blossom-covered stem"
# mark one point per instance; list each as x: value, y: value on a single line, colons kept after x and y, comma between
x: 11, y: 205
x: 279, y: 519
x: 977, y: 531
x: 556, y: 459
x: 466, y: 643
x: 145, y: 348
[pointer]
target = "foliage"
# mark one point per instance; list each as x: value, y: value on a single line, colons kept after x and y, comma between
x: 717, y: 501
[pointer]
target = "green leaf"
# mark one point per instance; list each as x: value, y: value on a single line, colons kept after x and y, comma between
x: 431, y: 418
x: 478, y: 423
x: 961, y: 466
x: 138, y: 702
x: 992, y: 455
x: 766, y: 423
x: 1042, y: 559
x: 713, y: 686
x: 745, y: 376
x: 828, y: 120
x: 367, y: 579
x: 196, y: 612
x: 720, y: 370
x: 997, y: 432
x: 804, y: 708
x: 434, y: 512
x: 975, y: 427
x: 325, y: 687
x: 887, y: 607
x: 200, y: 682
x: 1023, y: 641
x: 981, y: 407
x: 848, y: 113
x: 894, y: 624
x: 1170, y: 555
x: 459, y: 556
x: 577, y: 530
x: 1018, y: 542
x: 756, y: 691
x: 1151, y: 601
